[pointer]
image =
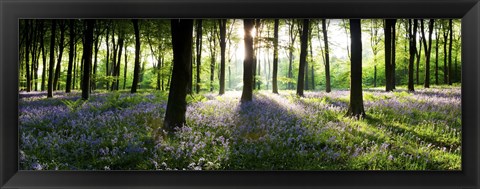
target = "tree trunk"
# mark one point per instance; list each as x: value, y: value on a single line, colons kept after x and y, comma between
x: 327, y: 57
x: 450, y: 28
x: 223, y: 31
x: 303, y: 57
x: 52, y: 60
x: 394, y: 41
x: 356, y: 108
x: 445, y: 54
x: 428, y: 48
x: 248, y: 61
x: 198, y: 45
x: 107, y: 43
x: 60, y: 54
x: 87, y: 55
x: 136, y: 70
x: 182, y: 51
x: 419, y: 55
x: 388, y: 55
x: 27, y: 54
x: 95, y: 62
x: 437, y: 38
x: 125, y: 68
x: 275, y: 57
x: 70, y: 56
x: 44, y: 56
x: 413, y: 46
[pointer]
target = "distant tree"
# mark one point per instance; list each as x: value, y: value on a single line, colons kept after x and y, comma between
x: 412, y: 47
x: 428, y: 48
x: 223, y: 32
x: 327, y: 57
x: 356, y: 108
x: 248, y: 61
x: 182, y: 30
x: 275, y: 57
x: 44, y: 56
x: 136, y: 69
x: 445, y: 54
x: 291, y: 48
x: 71, y: 50
x: 374, y: 42
x: 27, y: 53
x: 87, y: 52
x: 52, y: 60
x: 198, y: 47
x: 419, y: 56
x: 303, y: 57
x: 437, y: 39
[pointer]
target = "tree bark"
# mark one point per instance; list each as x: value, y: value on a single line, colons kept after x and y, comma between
x: 428, y: 48
x: 60, y: 54
x: 327, y: 57
x: 198, y: 45
x: 182, y: 51
x: 52, y: 60
x: 248, y: 61
x: 303, y: 57
x: 27, y: 54
x: 223, y: 31
x: 87, y: 55
x: 275, y: 57
x: 437, y: 38
x: 70, y: 56
x: 450, y: 28
x: 388, y: 55
x: 356, y: 108
x: 44, y: 56
x: 136, y: 70
x: 413, y: 46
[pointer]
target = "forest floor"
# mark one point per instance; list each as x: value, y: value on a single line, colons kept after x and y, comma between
x: 120, y: 131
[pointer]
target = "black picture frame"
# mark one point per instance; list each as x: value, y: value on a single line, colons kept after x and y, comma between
x: 13, y: 10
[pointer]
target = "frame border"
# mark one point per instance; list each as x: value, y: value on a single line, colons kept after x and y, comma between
x: 12, y: 10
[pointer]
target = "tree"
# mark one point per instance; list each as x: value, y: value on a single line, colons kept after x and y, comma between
x: 52, y: 60
x: 136, y: 69
x: 198, y: 46
x: 70, y: 55
x: 44, y: 56
x: 412, y: 47
x: 388, y: 55
x: 327, y: 57
x: 248, y: 61
x: 428, y: 49
x: 303, y: 57
x: 374, y: 42
x: 437, y: 38
x: 223, y: 31
x: 445, y: 38
x: 275, y: 57
x: 87, y: 54
x: 27, y: 54
x: 450, y: 52
x: 60, y: 53
x: 182, y: 30
x: 356, y: 108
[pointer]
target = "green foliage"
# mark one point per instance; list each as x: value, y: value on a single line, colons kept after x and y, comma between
x: 74, y: 105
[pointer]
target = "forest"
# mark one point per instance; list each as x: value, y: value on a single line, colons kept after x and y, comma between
x: 240, y: 94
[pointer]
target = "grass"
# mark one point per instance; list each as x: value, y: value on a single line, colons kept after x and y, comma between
x: 120, y: 131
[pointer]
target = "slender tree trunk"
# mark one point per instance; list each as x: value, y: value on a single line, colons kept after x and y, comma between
x: 428, y: 48
x: 44, y: 57
x: 125, y: 68
x: 394, y: 41
x: 198, y: 45
x: 117, y: 68
x: 327, y: 57
x: 27, y: 54
x: 107, y: 43
x: 275, y: 57
x: 95, y: 62
x: 413, y: 46
x: 445, y: 54
x: 303, y: 57
x: 388, y: 55
x: 437, y: 38
x: 182, y: 51
x: 52, y: 60
x: 70, y: 56
x: 136, y: 70
x: 223, y: 31
x: 419, y: 55
x: 356, y: 108
x: 87, y: 54
x: 248, y: 61
x: 60, y: 54
x: 450, y: 53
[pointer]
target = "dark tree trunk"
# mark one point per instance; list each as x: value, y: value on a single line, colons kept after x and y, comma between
x: 52, y: 60
x: 356, y: 108
x: 437, y: 38
x: 419, y: 56
x: 213, y: 55
x: 107, y: 43
x: 87, y: 55
x: 182, y: 51
x: 303, y: 57
x: 428, y: 49
x: 388, y: 55
x: 44, y: 56
x: 198, y: 45
x: 27, y: 54
x: 445, y: 54
x: 60, y: 54
x: 125, y: 68
x: 95, y: 62
x: 327, y: 57
x: 413, y: 46
x: 450, y: 28
x: 223, y: 31
x: 248, y: 61
x: 70, y: 56
x: 306, y: 86
x: 257, y: 23
x: 394, y: 41
x: 275, y: 57
x: 117, y: 68
x: 136, y: 70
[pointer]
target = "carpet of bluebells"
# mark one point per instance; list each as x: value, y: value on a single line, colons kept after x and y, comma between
x: 121, y: 131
